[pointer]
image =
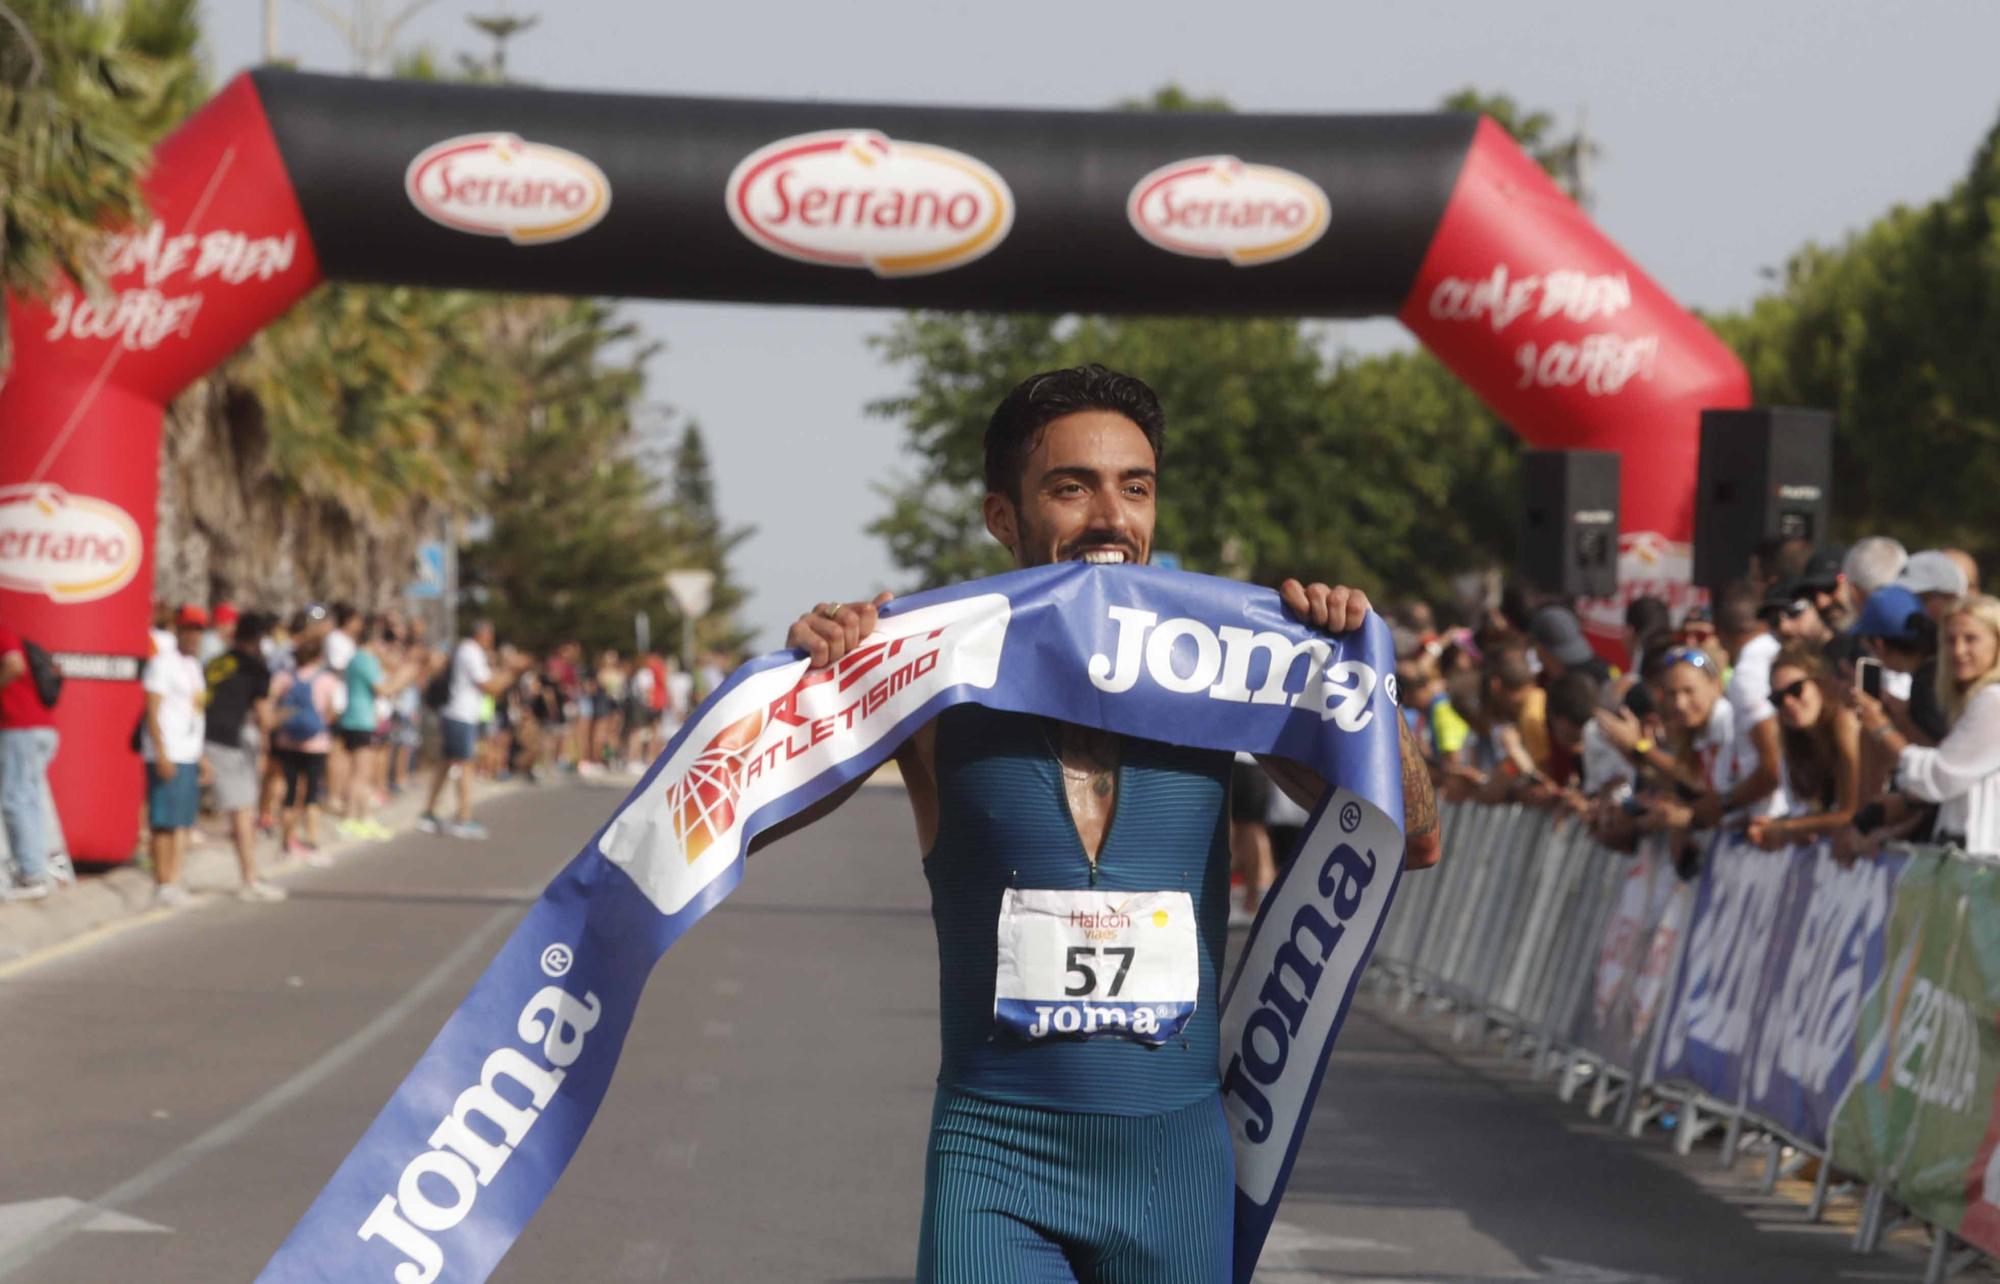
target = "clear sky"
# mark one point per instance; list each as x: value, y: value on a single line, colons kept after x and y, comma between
x: 1732, y: 132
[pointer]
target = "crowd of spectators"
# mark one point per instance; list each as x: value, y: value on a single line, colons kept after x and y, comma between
x: 281, y: 725
x: 1842, y: 694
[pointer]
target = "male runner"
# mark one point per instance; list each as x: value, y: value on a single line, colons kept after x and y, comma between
x: 1103, y: 1159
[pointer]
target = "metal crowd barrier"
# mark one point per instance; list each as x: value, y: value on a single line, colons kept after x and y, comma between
x: 1507, y: 937
x: 1506, y: 932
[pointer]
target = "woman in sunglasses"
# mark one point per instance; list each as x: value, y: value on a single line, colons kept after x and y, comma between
x: 1822, y: 748
x: 1963, y: 772
x: 1698, y: 755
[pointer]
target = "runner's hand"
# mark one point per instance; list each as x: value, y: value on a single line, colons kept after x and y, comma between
x: 830, y: 630
x: 164, y: 770
x: 1333, y: 610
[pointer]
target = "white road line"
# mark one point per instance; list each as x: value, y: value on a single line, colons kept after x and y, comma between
x: 226, y: 1132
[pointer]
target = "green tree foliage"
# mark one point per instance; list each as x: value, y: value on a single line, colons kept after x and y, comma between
x: 1281, y: 459
x: 580, y: 532
x: 1894, y: 330
x: 702, y: 542
x: 85, y: 90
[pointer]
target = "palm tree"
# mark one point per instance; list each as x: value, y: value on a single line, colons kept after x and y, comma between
x: 85, y: 91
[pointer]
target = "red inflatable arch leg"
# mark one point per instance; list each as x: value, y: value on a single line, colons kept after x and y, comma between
x: 80, y: 419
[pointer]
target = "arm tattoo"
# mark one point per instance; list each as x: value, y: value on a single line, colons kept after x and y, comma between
x: 1420, y: 814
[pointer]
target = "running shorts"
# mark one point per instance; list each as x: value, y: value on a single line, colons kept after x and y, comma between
x: 1024, y: 1195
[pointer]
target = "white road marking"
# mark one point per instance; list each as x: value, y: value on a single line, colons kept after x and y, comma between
x: 229, y: 1130
x: 22, y: 1221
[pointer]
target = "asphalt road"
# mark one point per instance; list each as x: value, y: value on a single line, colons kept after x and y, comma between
x: 175, y: 1095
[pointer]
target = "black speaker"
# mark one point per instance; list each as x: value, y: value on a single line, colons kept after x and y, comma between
x: 1569, y: 532
x: 1765, y: 473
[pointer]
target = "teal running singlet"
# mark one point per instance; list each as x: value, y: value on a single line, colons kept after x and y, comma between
x: 1064, y: 1157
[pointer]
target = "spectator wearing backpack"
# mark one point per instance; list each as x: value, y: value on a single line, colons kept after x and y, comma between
x: 28, y: 688
x: 306, y: 702
x: 170, y: 741
x: 466, y: 683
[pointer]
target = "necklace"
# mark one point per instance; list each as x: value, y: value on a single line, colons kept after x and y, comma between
x: 1097, y: 774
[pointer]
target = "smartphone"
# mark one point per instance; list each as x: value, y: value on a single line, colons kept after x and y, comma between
x: 1868, y: 676
x: 1639, y: 701
x: 1633, y: 805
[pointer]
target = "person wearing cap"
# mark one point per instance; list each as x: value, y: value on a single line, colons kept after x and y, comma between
x: 220, y: 635
x: 1560, y: 645
x: 1789, y: 611
x: 1937, y: 579
x: 235, y: 720
x: 1962, y: 772
x: 1896, y: 630
x: 1825, y: 581
x: 171, y: 743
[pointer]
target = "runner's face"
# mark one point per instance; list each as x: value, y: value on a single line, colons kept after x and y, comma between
x: 1087, y: 494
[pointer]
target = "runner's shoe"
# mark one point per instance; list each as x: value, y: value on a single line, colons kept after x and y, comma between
x: 171, y: 895
x: 267, y: 893
x: 429, y: 824
x: 466, y: 829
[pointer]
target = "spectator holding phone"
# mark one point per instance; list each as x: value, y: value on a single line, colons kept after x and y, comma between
x: 1962, y: 773
x: 1822, y: 753
x: 1900, y: 637
x: 1700, y: 756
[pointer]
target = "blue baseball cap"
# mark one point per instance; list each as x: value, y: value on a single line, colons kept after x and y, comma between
x: 1887, y: 615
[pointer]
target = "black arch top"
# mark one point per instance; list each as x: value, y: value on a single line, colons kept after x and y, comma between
x: 667, y: 233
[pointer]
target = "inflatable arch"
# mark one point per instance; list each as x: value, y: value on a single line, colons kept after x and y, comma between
x: 287, y: 178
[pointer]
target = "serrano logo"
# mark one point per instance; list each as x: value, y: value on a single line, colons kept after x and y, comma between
x: 1217, y: 207
x: 854, y: 198
x: 70, y: 548
x: 501, y: 185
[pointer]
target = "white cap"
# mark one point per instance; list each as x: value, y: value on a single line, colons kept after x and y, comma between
x: 1932, y: 572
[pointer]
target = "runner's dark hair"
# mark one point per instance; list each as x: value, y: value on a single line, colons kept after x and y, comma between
x: 1041, y: 399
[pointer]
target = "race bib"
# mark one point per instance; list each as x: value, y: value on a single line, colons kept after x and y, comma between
x: 1096, y: 964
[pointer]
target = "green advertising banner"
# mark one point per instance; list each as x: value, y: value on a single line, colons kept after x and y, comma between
x: 1920, y: 1117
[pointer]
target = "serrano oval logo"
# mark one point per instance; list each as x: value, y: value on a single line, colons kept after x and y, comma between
x: 855, y: 198
x: 70, y: 548
x: 1217, y: 207
x: 501, y: 185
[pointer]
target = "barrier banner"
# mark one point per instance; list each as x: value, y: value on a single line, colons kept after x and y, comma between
x: 1826, y: 954
x: 449, y: 1173
x: 1920, y: 1116
x: 1706, y: 1038
x: 1635, y: 958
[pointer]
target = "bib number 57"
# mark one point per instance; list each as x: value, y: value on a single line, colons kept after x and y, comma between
x: 1077, y: 964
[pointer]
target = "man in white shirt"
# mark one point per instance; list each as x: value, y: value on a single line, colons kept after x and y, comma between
x: 472, y: 678
x: 171, y: 744
x: 1749, y: 784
